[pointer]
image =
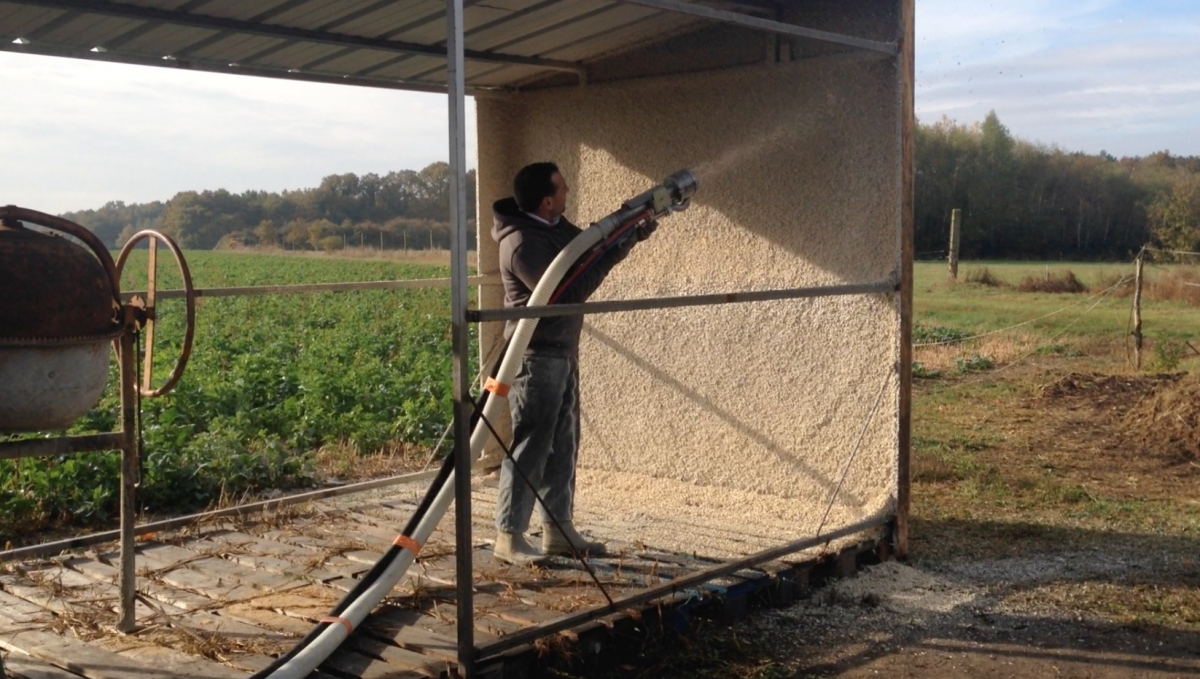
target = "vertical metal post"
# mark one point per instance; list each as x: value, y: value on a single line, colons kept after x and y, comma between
x: 129, y: 471
x: 456, y: 87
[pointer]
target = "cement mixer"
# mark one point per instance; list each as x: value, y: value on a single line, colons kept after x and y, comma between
x: 61, y: 309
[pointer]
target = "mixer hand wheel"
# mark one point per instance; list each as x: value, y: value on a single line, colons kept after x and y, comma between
x: 189, y: 294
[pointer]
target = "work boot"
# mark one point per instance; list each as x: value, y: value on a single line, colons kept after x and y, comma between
x: 512, y: 548
x: 560, y: 542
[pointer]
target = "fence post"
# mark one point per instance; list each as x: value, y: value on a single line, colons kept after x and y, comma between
x: 955, y: 239
x: 1137, y: 311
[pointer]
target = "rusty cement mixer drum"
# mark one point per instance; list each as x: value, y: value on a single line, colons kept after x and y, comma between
x: 58, y: 317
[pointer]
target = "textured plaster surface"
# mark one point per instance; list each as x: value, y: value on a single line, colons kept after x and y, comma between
x: 799, y: 173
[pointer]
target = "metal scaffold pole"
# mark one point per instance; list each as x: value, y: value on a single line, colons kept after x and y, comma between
x: 459, y: 336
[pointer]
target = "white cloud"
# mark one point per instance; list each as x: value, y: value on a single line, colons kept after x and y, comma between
x: 79, y: 133
x: 1101, y: 75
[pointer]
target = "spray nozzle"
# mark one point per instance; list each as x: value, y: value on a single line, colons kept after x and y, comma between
x: 673, y: 195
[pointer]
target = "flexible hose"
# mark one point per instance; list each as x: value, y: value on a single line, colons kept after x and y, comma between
x: 325, y: 638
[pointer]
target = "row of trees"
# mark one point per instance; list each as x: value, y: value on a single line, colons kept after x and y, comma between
x: 1024, y: 200
x: 1019, y: 200
x: 407, y: 208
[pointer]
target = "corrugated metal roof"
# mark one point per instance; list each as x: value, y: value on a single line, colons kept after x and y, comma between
x: 384, y: 43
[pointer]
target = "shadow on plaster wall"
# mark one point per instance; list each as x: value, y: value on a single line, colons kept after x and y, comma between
x: 794, y: 459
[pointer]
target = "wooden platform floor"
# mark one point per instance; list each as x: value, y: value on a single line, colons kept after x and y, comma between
x: 219, y: 601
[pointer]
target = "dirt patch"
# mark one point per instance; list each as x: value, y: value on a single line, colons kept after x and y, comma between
x: 1168, y: 423
x: 1141, y: 432
x: 1103, y: 390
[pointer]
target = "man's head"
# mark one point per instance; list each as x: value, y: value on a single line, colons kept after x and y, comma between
x: 540, y: 189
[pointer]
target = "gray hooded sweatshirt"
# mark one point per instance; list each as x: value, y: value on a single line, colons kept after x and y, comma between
x: 527, y: 247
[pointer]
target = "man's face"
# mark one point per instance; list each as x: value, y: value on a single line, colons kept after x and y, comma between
x: 558, y: 202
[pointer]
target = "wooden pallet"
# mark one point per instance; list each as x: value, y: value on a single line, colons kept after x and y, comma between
x: 221, y: 601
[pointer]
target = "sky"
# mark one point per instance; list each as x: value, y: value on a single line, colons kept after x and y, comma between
x: 1087, y: 75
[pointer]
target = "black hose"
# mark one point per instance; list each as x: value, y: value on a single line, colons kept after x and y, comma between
x: 386, y: 560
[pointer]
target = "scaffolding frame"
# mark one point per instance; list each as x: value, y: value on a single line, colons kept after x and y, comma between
x: 902, y: 52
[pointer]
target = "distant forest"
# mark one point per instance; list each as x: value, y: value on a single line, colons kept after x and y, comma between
x: 1028, y: 201
x: 406, y: 209
x: 1020, y: 200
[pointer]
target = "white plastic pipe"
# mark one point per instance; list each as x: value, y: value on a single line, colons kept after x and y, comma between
x: 308, y: 658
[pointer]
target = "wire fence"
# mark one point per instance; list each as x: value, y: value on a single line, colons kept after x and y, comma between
x: 1133, y: 330
x: 958, y: 340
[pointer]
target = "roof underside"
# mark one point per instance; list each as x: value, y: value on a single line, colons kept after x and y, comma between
x: 382, y: 43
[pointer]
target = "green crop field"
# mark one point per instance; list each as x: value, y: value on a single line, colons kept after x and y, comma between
x: 272, y: 381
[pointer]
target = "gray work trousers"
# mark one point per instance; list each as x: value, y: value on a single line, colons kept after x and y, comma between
x: 544, y: 404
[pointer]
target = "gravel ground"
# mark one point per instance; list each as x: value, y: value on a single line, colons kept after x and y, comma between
x: 977, y: 619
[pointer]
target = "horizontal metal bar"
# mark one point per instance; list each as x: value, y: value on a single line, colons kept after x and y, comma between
x: 889, y: 48
x: 531, y: 634
x: 43, y: 49
x: 311, y: 287
x: 51, y: 548
x: 192, y: 20
x: 485, y: 315
x: 62, y: 445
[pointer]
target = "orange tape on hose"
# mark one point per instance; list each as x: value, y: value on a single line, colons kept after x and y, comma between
x: 333, y: 618
x: 497, y: 388
x: 407, y: 543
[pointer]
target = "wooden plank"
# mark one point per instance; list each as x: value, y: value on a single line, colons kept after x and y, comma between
x: 392, y: 654
x: 178, y: 664
x: 293, y: 612
x: 908, y: 128
x: 349, y: 661
x: 261, y: 616
x: 276, y: 557
x: 389, y: 621
x: 212, y: 586
x: 69, y: 653
x: 27, y: 667
x: 215, y: 565
x: 160, y: 592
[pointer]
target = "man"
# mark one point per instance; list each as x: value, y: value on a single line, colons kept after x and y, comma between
x: 544, y: 397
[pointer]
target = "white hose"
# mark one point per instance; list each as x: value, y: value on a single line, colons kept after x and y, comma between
x: 308, y: 658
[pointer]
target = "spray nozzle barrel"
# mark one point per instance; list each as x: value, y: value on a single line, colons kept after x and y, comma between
x: 682, y: 185
x: 673, y: 195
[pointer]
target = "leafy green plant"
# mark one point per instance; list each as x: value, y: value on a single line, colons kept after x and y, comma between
x: 975, y: 363
x: 921, y: 372
x: 1168, y: 354
x: 1057, y: 350
x: 928, y: 334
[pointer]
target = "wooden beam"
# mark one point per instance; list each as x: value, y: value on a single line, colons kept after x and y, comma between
x: 908, y: 123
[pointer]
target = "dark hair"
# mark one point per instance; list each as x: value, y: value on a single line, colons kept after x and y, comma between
x: 532, y: 184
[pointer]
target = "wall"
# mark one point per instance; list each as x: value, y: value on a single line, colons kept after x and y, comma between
x: 799, y: 170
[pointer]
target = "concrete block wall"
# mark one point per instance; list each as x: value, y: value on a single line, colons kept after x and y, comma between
x: 800, y: 180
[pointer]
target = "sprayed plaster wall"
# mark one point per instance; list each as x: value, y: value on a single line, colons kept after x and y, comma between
x: 800, y: 175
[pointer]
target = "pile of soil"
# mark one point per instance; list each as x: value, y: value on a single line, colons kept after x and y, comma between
x: 1166, y: 424
x: 1105, y: 390
x: 1133, y: 436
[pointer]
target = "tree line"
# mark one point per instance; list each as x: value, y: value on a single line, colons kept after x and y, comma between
x: 403, y: 209
x: 1022, y: 200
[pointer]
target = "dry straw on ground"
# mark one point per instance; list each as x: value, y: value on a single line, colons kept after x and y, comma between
x: 1059, y: 282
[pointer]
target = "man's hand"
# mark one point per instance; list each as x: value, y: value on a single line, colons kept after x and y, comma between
x: 643, y: 232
